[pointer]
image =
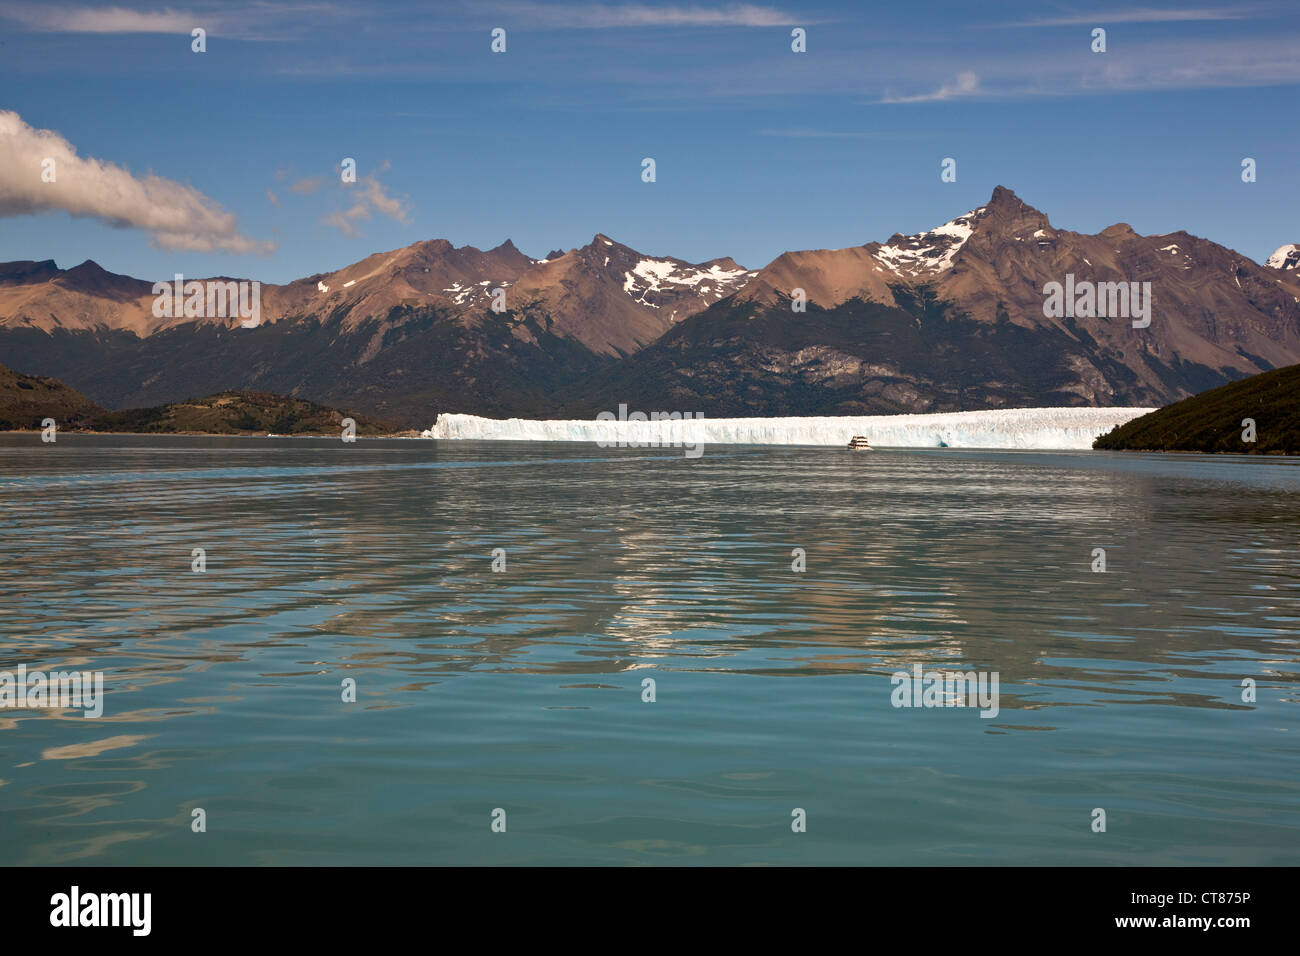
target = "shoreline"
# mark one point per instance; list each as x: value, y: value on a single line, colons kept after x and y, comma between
x: 407, y: 433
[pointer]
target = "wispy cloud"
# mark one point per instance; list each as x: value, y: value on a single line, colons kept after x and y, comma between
x: 967, y: 84
x: 806, y: 133
x: 575, y: 16
x: 307, y: 185
x: 176, y: 216
x: 248, y: 21
x: 1151, y: 66
x: 273, y: 199
x: 67, y: 19
x: 1139, y: 15
x: 368, y: 195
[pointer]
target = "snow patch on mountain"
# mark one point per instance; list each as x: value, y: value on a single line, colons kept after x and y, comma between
x: 929, y: 252
x: 1029, y: 428
x: 1286, y: 257
x: 459, y: 294
x: 651, y: 276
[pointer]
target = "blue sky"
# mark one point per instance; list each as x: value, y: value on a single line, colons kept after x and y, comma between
x: 226, y: 162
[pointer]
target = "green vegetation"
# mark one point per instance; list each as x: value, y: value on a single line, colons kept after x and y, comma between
x: 25, y: 400
x: 1212, y: 421
x: 234, y: 413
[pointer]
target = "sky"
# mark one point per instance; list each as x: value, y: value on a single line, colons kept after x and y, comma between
x: 227, y: 161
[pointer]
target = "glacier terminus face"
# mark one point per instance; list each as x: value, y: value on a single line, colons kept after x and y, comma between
x: 1030, y: 428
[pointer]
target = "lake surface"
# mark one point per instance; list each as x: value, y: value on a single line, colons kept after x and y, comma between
x: 521, y: 689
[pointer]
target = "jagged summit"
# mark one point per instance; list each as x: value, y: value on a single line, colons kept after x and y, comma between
x: 1005, y: 202
x: 1009, y: 214
x: 1005, y: 217
x: 27, y: 269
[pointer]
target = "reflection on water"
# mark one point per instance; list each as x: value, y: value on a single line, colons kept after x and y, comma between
x: 523, y: 689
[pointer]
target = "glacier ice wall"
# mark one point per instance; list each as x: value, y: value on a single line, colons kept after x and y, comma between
x: 1039, y: 428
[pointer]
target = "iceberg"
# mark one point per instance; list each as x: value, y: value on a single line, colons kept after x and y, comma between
x: 1031, y: 428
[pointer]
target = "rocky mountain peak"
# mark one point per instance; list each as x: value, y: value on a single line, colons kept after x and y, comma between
x: 1009, y: 216
x: 27, y: 270
x: 1120, y: 230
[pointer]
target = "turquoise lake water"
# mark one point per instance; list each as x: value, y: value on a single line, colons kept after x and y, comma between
x: 521, y: 689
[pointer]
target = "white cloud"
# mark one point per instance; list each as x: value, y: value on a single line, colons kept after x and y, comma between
x: 1137, y: 15
x: 247, y: 21
x: 967, y: 84
x: 66, y: 19
x: 368, y: 195
x: 175, y: 215
x: 598, y: 16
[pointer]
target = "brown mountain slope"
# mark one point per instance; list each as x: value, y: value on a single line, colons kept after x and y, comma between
x: 41, y: 295
x: 432, y: 272
x: 1211, y: 307
x: 614, y: 300
x: 827, y: 277
x: 608, y: 297
x: 954, y: 318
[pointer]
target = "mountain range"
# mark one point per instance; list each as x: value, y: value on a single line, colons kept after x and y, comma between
x: 946, y: 320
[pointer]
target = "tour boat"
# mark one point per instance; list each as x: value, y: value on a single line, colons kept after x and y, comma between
x: 859, y: 443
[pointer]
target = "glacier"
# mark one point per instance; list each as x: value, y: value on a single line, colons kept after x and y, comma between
x: 1031, y: 428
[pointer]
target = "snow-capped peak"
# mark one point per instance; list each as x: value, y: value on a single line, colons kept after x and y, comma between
x: 929, y: 252
x: 1286, y: 258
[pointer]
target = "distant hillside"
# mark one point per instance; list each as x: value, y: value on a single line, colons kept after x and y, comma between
x: 25, y: 400
x: 1211, y: 421
x: 233, y: 413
